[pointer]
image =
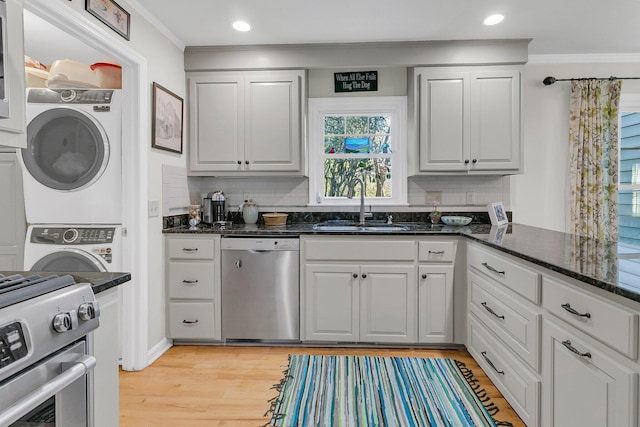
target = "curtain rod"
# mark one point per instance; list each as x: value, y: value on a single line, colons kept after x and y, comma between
x: 551, y: 80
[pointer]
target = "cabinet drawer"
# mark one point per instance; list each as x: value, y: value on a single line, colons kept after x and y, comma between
x: 190, y: 248
x: 191, y: 280
x: 191, y: 320
x: 516, y: 277
x: 360, y: 250
x: 519, y: 386
x: 612, y: 324
x: 517, y: 324
x: 436, y: 251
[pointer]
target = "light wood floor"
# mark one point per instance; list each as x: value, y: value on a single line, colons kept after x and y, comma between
x: 192, y: 386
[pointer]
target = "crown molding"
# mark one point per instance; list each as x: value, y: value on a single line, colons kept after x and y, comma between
x: 157, y: 24
x: 584, y: 58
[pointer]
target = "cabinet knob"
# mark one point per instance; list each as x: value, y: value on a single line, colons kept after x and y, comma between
x: 475, y: 161
x: 246, y: 162
x: 239, y: 162
x: 424, y: 276
x: 466, y: 161
x: 355, y: 275
x: 364, y: 275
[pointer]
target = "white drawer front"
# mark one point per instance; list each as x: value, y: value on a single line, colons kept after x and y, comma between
x: 510, y: 319
x: 191, y: 280
x: 360, y: 250
x: 519, y: 386
x: 516, y: 277
x: 614, y: 325
x: 190, y: 248
x: 436, y: 251
x: 191, y: 320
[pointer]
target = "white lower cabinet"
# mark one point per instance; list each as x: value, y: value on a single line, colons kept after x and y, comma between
x: 515, y: 381
x: 331, y: 302
x: 359, y: 289
x: 193, y: 274
x: 435, y: 302
x: 388, y: 303
x: 360, y: 303
x: 103, y: 344
x: 585, y: 384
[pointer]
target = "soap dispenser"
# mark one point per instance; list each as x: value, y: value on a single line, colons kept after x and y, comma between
x: 249, y: 212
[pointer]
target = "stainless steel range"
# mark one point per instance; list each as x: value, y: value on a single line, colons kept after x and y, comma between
x: 44, y: 362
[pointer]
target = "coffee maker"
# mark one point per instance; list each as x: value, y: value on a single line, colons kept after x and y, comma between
x: 213, y: 208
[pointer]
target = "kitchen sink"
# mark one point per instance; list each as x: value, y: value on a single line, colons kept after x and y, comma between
x: 359, y: 227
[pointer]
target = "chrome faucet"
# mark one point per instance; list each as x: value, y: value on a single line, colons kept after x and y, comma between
x: 350, y: 196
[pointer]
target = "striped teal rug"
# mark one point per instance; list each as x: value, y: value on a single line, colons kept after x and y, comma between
x: 379, y: 391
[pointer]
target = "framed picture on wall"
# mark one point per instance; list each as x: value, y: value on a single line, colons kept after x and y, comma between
x: 111, y: 14
x: 497, y: 214
x: 166, y: 119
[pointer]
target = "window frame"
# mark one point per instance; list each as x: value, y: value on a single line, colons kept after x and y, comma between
x: 628, y: 104
x: 394, y: 106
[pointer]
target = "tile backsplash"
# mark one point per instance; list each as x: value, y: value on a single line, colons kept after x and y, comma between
x: 292, y: 193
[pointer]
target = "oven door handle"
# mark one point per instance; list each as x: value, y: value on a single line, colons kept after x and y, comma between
x: 75, y: 369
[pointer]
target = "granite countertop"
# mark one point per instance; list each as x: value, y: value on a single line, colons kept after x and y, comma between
x: 599, y: 263
x: 100, y: 282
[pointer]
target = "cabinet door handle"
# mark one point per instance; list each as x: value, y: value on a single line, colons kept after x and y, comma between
x: 484, y: 354
x: 437, y: 252
x: 488, y: 267
x: 424, y: 276
x: 474, y: 161
x: 364, y: 275
x: 239, y: 162
x: 190, y: 249
x: 189, y: 282
x: 490, y: 310
x: 246, y: 162
x: 355, y: 275
x: 571, y: 310
x: 190, y: 322
x: 466, y: 161
x: 567, y: 344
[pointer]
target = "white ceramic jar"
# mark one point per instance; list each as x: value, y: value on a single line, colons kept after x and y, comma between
x: 250, y: 212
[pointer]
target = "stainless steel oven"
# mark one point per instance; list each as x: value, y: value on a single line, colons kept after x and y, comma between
x: 45, y: 366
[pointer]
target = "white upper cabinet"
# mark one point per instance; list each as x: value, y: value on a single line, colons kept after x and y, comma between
x: 13, y: 128
x: 465, y: 120
x: 246, y: 122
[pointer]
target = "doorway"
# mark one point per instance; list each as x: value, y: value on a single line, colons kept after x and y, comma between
x: 135, y: 95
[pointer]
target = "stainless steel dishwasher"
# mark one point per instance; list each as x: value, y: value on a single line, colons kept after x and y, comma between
x: 260, y: 289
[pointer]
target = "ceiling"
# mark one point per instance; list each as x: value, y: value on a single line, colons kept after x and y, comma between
x: 556, y: 26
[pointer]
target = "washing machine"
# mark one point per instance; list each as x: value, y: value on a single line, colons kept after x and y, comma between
x: 73, y: 248
x: 72, y: 166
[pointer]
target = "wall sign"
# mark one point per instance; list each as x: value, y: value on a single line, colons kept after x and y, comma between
x: 356, y: 81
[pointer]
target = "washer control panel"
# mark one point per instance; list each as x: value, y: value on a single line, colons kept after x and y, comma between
x: 69, y: 96
x: 72, y: 235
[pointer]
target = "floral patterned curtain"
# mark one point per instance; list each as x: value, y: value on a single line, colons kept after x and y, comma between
x: 593, y: 162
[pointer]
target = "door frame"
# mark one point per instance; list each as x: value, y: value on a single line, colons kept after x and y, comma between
x: 135, y: 110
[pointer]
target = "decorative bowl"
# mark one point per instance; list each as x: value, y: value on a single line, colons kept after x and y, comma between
x: 456, y: 220
x: 275, y: 219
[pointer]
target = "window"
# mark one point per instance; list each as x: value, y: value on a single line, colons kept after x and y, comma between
x: 361, y: 138
x: 629, y: 169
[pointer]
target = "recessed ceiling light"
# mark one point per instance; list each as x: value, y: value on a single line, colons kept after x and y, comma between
x: 493, y: 19
x: 241, y: 26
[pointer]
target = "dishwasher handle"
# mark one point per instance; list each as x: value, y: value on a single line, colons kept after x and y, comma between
x: 238, y: 263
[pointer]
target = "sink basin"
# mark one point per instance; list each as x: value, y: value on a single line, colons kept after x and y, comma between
x: 359, y: 227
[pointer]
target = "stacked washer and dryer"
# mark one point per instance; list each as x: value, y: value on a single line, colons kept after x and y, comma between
x: 72, y: 175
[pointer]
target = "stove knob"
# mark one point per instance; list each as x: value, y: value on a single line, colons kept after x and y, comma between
x: 88, y: 311
x: 62, y: 322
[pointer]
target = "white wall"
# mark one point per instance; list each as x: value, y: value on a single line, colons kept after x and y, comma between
x: 538, y: 197
x: 165, y: 66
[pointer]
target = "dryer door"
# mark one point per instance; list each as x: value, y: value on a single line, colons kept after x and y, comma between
x: 69, y: 260
x: 66, y: 149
